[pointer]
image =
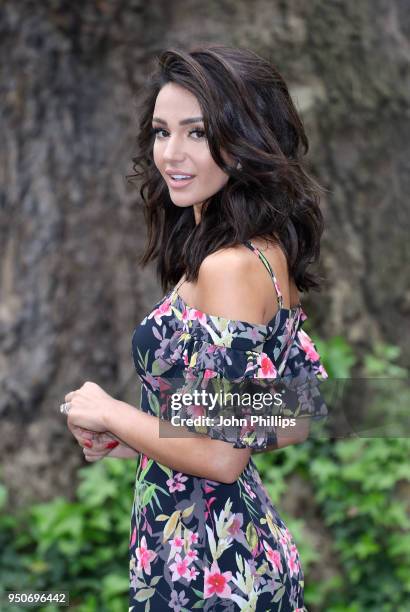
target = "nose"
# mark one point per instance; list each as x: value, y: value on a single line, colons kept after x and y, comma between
x: 174, y: 149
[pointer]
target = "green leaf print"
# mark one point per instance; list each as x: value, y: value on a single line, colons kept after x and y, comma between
x: 188, y: 511
x: 170, y: 526
x: 154, y: 403
x: 144, y: 594
x: 177, y: 313
x: 279, y: 594
x: 251, y: 535
x: 239, y: 562
x: 148, y: 493
x: 141, y: 476
x: 143, y: 360
x: 165, y: 469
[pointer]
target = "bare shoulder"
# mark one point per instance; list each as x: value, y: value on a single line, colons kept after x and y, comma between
x: 227, y: 286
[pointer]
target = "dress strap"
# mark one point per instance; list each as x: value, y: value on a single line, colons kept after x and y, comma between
x: 267, y: 265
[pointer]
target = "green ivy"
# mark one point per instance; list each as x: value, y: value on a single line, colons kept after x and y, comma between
x: 80, y: 546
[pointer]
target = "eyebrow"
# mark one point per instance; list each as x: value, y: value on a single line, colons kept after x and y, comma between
x: 182, y: 122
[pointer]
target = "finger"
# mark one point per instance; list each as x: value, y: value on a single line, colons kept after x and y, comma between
x: 79, y: 432
x: 92, y: 453
x: 90, y: 456
x: 103, y: 445
x: 70, y: 395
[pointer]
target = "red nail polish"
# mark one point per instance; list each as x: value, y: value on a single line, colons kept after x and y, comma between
x: 112, y: 444
x: 87, y: 443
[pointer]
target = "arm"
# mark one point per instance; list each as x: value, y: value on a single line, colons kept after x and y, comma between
x: 299, y: 434
x: 228, y: 282
x: 196, y: 455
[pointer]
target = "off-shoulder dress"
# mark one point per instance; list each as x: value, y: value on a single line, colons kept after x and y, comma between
x: 202, y: 544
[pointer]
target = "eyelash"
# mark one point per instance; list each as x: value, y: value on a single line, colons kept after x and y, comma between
x: 155, y: 131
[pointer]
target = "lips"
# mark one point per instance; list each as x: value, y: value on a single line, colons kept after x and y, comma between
x: 181, y: 183
x: 172, y: 172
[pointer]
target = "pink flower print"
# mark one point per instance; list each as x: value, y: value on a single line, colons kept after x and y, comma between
x: 193, y: 538
x: 266, y: 367
x: 176, y: 483
x: 249, y: 491
x: 216, y: 582
x: 192, y: 574
x: 307, y: 346
x: 322, y: 372
x: 197, y: 315
x: 133, y: 537
x: 192, y: 554
x: 210, y: 374
x: 163, y: 384
x: 180, y: 567
x: 235, y: 527
x: 144, y: 556
x: 293, y: 565
x: 273, y: 556
x: 163, y: 310
x: 144, y: 461
x: 284, y: 543
x: 196, y: 410
x: 208, y: 504
x: 287, y: 534
x: 208, y: 488
x: 176, y: 546
x: 293, y: 551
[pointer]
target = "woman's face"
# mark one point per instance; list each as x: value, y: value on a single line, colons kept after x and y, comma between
x: 183, y: 149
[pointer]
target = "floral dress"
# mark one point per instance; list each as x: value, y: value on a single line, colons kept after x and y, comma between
x: 197, y: 543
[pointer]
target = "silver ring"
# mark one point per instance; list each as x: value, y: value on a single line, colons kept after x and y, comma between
x: 64, y: 408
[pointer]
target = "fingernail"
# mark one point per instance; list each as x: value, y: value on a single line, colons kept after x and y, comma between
x: 87, y: 443
x: 112, y: 444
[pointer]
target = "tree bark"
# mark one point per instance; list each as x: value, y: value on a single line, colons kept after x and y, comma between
x: 71, y: 228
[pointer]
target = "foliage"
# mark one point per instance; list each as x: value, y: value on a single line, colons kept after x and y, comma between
x: 80, y: 546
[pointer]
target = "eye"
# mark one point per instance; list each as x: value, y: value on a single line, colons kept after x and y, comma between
x: 200, y: 133
x: 156, y: 131
x: 196, y: 131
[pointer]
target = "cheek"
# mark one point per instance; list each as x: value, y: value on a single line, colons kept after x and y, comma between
x: 156, y: 155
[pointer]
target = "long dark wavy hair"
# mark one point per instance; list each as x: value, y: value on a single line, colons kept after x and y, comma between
x: 249, y: 114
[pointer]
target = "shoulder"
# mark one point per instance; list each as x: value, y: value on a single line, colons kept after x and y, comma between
x: 229, y: 285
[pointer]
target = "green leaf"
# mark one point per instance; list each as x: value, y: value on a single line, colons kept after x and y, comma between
x: 144, y: 594
x: 279, y: 594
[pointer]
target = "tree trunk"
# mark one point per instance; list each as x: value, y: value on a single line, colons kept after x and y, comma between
x: 71, y: 229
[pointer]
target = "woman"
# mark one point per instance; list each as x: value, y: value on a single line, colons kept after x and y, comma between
x: 233, y: 221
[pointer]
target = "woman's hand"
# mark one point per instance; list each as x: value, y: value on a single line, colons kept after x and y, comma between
x: 121, y: 451
x: 97, y: 445
x: 90, y: 405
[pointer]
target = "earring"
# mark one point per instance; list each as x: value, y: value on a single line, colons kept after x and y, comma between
x: 239, y: 166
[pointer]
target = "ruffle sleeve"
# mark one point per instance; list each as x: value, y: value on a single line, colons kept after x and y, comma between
x: 302, y: 375
x: 226, y: 378
x: 219, y: 370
